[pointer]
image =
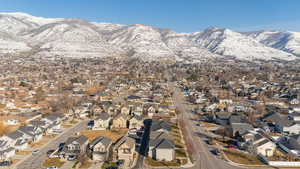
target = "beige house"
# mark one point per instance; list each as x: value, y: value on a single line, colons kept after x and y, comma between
x: 124, y: 150
x: 120, y: 121
x: 265, y: 147
x: 125, y: 110
x: 102, y: 122
x: 136, y: 122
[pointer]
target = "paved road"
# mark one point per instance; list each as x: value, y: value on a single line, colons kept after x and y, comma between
x: 203, y: 158
x: 35, y: 161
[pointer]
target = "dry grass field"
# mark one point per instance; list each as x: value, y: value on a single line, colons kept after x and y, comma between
x: 114, y: 135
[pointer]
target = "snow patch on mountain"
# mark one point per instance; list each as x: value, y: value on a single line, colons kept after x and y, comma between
x: 283, y: 40
x: 229, y: 43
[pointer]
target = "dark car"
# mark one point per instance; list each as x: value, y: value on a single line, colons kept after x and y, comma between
x: 215, y: 152
x: 61, y: 146
x: 5, y: 163
x: 50, y: 152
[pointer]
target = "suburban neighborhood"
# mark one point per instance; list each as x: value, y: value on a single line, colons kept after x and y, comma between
x: 137, y: 114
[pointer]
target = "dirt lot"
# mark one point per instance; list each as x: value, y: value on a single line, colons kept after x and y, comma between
x: 113, y: 135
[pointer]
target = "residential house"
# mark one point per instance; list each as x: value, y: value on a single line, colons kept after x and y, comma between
x: 100, y: 149
x: 125, y: 110
x: 161, y: 147
x: 136, y: 122
x: 124, y: 150
x: 281, y: 122
x: 102, y: 122
x: 293, y: 143
x: 17, y: 140
x: 160, y: 125
x: 74, y: 146
x: 32, y: 133
x: 6, y: 154
x: 120, y: 121
x: 264, y: 147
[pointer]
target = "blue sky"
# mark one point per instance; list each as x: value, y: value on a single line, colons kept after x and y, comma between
x: 179, y: 15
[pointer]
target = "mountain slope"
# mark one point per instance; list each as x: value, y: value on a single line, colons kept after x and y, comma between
x: 79, y: 38
x: 15, y: 23
x: 72, y: 38
x: 283, y: 40
x: 229, y: 43
x: 9, y: 44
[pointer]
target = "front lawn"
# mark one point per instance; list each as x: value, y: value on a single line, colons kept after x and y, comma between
x: 53, y: 162
x: 180, y: 153
x: 113, y: 135
x: 154, y: 163
x: 242, y: 158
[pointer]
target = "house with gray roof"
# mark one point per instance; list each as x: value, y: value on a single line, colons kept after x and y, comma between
x: 32, y: 133
x: 99, y: 149
x: 160, y: 125
x: 74, y: 146
x: 124, y: 150
x: 102, y: 122
x: 161, y: 147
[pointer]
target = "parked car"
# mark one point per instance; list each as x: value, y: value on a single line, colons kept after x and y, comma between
x: 50, y: 152
x: 231, y: 147
x: 72, y: 158
x: 5, y: 163
x: 57, y: 130
x: 35, y: 152
x: 52, y: 167
x: 215, y: 152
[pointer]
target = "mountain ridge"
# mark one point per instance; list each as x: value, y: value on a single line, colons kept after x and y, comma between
x: 81, y: 38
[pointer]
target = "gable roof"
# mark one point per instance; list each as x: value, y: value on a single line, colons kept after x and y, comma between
x: 125, y: 140
x: 241, y: 127
x: 15, y: 135
x: 165, y: 144
x: 103, y: 116
x: 101, y: 139
x: 160, y: 124
x: 81, y: 140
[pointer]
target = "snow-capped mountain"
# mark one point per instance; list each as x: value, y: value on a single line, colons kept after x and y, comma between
x: 229, y: 43
x: 15, y: 23
x: 283, y: 40
x: 9, y: 44
x: 72, y: 37
x: 78, y: 38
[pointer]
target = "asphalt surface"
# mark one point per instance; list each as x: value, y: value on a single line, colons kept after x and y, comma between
x: 36, y: 161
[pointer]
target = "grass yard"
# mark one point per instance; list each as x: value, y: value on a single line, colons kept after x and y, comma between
x: 23, y: 152
x: 66, y: 126
x: 154, y: 163
x: 86, y: 164
x: 53, y: 162
x: 242, y: 158
x: 73, y: 121
x: 180, y: 153
x: 111, y: 134
x: 206, y: 124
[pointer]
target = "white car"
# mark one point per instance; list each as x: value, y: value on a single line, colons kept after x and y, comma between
x: 52, y: 167
x: 35, y: 152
